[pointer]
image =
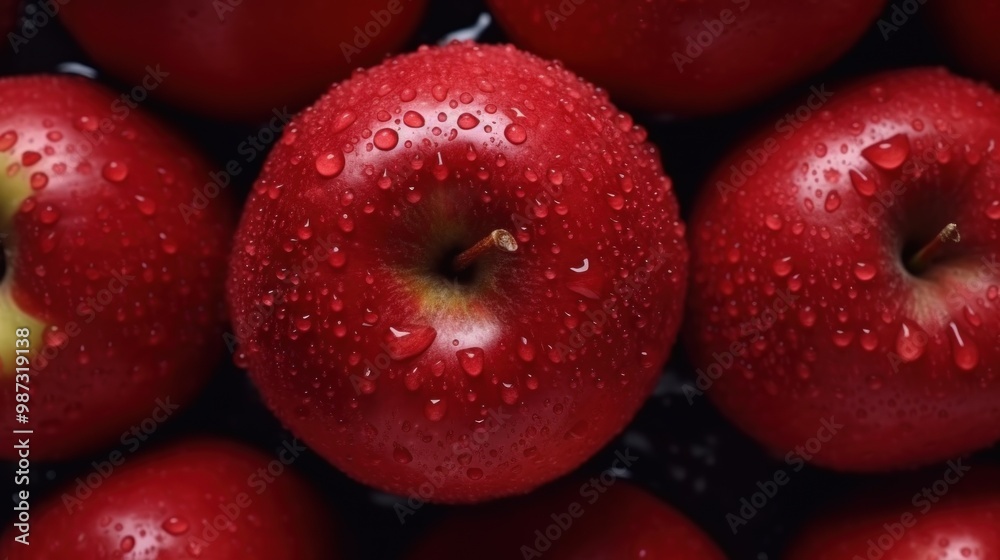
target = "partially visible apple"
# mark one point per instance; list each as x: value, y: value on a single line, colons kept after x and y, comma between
x: 950, y: 514
x: 239, y: 60
x: 828, y: 285
x: 459, y: 273
x: 688, y: 57
x: 576, y: 520
x: 120, y: 287
x: 8, y: 15
x: 968, y: 30
x: 195, y: 499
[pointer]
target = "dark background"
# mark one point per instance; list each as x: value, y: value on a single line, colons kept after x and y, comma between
x: 688, y: 455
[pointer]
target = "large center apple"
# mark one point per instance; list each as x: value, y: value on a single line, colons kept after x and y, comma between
x: 459, y: 273
x: 852, y: 279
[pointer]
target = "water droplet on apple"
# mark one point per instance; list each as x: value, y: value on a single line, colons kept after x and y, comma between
x: 30, y: 158
x: 911, y: 341
x: 864, y: 271
x: 993, y: 210
x: 888, y: 154
x: 782, y: 267
x: 343, y: 120
x: 114, y: 171
x: 832, y: 201
x: 862, y: 183
x: 386, y: 139
x: 963, y: 349
x: 869, y: 340
x: 515, y: 134
x: 471, y: 360
x: 175, y: 526
x: 773, y: 222
x: 48, y: 215
x: 345, y: 223
x: 408, y: 341
x: 330, y: 164
x: 146, y: 206
x: 526, y: 350
x: 127, y: 543
x: 7, y: 140
x: 508, y: 393
x: 303, y: 323
x: 842, y: 338
x: 401, y: 455
x: 474, y: 473
x: 972, y: 317
x: 434, y: 409
x: 467, y: 121
x: 413, y: 119
x: 586, y: 280
x: 439, y: 92
x: 39, y: 180
x: 615, y: 201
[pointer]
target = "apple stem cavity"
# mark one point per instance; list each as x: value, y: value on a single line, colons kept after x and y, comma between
x: 498, y: 239
x: 925, y: 256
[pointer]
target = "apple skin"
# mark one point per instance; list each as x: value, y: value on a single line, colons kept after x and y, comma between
x: 968, y: 30
x: 123, y: 296
x: 9, y: 10
x: 964, y: 523
x: 240, y: 60
x: 801, y: 303
x: 491, y: 393
x: 202, y: 498
x: 596, y: 522
x: 756, y: 47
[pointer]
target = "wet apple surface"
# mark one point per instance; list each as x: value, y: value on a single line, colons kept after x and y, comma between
x: 681, y: 450
x: 390, y: 349
x: 879, y: 225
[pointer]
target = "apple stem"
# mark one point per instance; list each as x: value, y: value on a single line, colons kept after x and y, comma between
x: 497, y: 239
x: 922, y: 259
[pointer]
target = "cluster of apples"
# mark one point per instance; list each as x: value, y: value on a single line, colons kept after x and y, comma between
x: 460, y: 271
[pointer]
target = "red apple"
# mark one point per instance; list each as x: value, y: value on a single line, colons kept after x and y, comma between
x: 583, y: 521
x: 952, y: 515
x: 688, y: 57
x: 119, y: 286
x: 8, y: 15
x: 969, y: 31
x: 459, y: 270
x: 238, y: 60
x: 829, y: 286
x: 202, y: 499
